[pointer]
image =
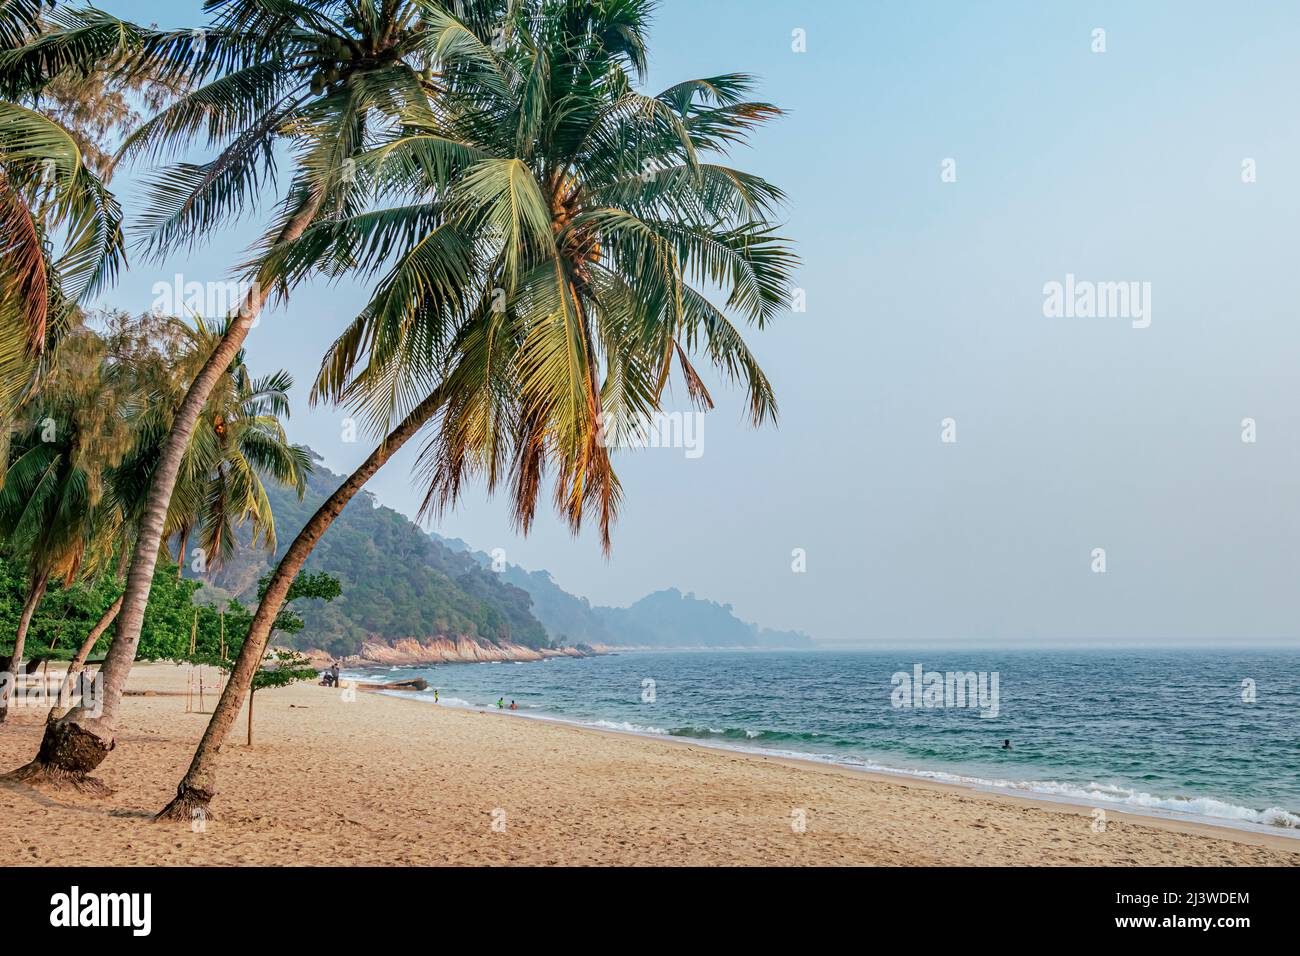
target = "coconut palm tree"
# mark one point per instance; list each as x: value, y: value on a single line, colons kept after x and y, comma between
x: 46, y: 189
x: 145, y: 351
x: 238, y: 440
x: 319, y: 77
x: 62, y: 238
x: 548, y: 267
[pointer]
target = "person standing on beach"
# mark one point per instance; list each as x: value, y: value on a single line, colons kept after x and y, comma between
x: 435, y: 695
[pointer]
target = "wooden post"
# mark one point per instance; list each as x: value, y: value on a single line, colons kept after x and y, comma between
x: 251, y: 692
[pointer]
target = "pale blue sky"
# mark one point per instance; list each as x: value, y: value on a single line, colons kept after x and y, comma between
x: 925, y: 302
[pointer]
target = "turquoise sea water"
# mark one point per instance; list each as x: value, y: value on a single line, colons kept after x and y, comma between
x: 1165, y: 732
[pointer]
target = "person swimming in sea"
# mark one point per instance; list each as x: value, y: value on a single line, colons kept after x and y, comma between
x: 513, y: 705
x: 501, y: 703
x: 1006, y: 744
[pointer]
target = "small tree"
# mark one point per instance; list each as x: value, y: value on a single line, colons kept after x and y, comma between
x: 308, y: 584
x: 289, y: 667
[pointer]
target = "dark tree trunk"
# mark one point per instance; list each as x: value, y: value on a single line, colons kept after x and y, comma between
x: 34, y: 597
x: 195, y: 792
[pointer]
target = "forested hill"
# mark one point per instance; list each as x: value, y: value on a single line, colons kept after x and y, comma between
x: 669, y: 618
x: 398, y: 582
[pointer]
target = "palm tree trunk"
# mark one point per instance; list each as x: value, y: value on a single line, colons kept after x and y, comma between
x: 78, y: 742
x: 198, y: 787
x: 20, y: 638
x: 180, y: 555
x: 96, y: 633
x: 79, y: 662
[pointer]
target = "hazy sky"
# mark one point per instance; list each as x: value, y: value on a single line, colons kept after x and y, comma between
x: 925, y: 301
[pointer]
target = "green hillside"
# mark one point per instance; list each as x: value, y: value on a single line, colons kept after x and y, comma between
x: 397, y: 581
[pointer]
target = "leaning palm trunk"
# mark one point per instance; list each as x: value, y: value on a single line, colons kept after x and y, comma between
x: 198, y: 787
x: 96, y: 632
x: 79, y: 662
x: 78, y: 742
x: 24, y: 623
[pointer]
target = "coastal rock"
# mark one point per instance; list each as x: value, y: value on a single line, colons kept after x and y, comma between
x: 418, y: 683
x: 443, y: 650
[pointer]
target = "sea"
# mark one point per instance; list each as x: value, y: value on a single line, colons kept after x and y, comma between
x: 1188, y: 734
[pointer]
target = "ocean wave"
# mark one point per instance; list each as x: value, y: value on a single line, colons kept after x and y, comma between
x: 458, y: 702
x: 626, y: 727
x: 1195, y: 806
x: 740, y: 733
x: 1122, y: 798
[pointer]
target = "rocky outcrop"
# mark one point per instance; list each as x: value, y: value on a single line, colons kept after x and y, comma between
x: 445, y: 650
x: 419, y: 683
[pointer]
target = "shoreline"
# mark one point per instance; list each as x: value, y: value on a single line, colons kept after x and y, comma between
x: 1283, y: 838
x: 366, y: 779
x: 433, y: 652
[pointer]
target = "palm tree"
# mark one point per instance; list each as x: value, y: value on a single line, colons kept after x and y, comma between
x: 321, y: 76
x: 53, y: 504
x: 239, y: 439
x: 544, y: 273
x: 46, y: 189
x: 54, y: 167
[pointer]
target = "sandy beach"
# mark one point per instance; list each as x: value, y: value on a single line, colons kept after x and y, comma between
x: 383, y: 780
